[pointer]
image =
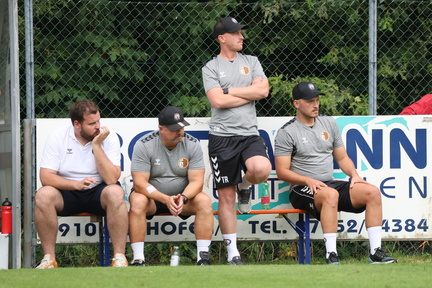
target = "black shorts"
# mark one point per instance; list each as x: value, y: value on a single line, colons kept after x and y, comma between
x: 229, y: 154
x: 88, y: 201
x: 301, y: 198
x: 163, y: 209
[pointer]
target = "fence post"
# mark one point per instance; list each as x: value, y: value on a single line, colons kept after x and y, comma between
x: 372, y: 57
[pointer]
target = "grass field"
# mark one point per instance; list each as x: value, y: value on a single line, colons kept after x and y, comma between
x: 266, y: 276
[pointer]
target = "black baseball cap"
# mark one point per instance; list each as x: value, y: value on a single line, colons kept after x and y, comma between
x: 226, y: 25
x: 305, y: 90
x: 172, y: 117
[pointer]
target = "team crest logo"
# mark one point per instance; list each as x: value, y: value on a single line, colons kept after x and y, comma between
x: 325, y: 136
x: 177, y: 116
x: 244, y: 70
x: 183, y: 162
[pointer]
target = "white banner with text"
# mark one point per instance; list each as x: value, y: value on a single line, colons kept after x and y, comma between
x: 390, y: 152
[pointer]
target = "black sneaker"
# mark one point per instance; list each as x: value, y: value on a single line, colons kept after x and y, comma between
x: 380, y: 257
x: 138, y: 262
x: 244, y: 200
x: 333, y: 259
x: 236, y: 260
x: 205, y: 259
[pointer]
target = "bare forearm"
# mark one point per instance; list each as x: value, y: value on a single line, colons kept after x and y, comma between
x: 192, y: 189
x: 256, y: 91
x: 59, y: 182
x: 347, y: 166
x: 107, y: 170
x: 292, y: 177
x: 220, y: 101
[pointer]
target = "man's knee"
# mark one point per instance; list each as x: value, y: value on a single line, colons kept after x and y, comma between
x: 46, y: 196
x: 226, y: 195
x: 374, y: 194
x: 259, y: 168
x: 113, y: 192
x: 203, y: 202
x: 327, y: 196
x: 138, y: 203
x: 368, y: 193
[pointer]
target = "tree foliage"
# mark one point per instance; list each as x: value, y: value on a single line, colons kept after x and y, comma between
x: 133, y: 58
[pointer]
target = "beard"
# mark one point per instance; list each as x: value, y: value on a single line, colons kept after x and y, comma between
x: 178, y: 139
x: 86, y: 136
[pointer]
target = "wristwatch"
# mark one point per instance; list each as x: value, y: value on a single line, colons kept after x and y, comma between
x: 225, y: 90
x: 185, y: 199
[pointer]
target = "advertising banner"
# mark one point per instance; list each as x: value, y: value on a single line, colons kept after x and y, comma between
x: 390, y: 152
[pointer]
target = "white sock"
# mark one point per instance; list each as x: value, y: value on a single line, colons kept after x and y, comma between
x: 244, y: 184
x: 202, y: 245
x: 138, y: 250
x: 374, y: 238
x: 330, y: 243
x: 230, y: 241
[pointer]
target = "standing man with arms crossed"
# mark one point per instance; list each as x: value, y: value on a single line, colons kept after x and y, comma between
x: 232, y: 82
x: 79, y: 172
x: 168, y: 176
x: 305, y: 148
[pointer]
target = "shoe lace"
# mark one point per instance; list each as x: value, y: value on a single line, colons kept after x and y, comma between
x: 204, y: 255
x: 45, y: 262
x: 138, y: 262
x: 205, y: 258
x: 119, y: 261
x: 244, y: 196
x: 380, y: 253
x: 203, y: 262
x: 333, y: 257
x: 236, y: 260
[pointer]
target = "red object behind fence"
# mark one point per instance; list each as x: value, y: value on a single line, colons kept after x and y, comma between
x: 6, y: 218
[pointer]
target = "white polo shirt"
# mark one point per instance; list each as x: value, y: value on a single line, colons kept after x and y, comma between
x: 66, y: 155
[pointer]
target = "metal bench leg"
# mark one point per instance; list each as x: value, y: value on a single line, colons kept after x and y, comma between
x: 307, y: 238
x: 106, y: 243
x: 301, y: 248
x: 302, y: 229
x: 101, y: 243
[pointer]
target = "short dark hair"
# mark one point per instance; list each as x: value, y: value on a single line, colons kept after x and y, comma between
x: 82, y: 107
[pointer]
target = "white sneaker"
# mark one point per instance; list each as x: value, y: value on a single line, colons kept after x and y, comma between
x: 119, y: 260
x: 47, y: 263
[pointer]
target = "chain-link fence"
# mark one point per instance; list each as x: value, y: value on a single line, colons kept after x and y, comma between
x: 4, y: 61
x: 135, y: 57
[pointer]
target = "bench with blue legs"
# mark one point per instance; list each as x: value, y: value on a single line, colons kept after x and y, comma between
x: 302, y: 227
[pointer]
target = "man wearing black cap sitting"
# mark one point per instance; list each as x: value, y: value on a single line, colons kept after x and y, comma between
x: 168, y: 177
x: 305, y: 148
x: 233, y: 82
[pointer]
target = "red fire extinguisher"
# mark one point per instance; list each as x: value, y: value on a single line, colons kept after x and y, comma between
x: 6, y: 217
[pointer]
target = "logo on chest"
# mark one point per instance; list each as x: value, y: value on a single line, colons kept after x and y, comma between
x: 183, y: 163
x: 244, y: 70
x: 325, y: 136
